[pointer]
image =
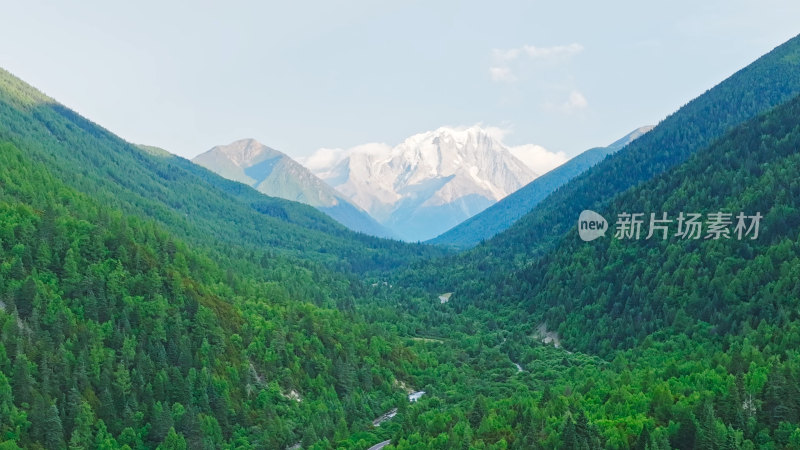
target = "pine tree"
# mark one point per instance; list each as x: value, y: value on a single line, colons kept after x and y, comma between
x: 53, y: 432
x: 173, y: 441
x: 584, y: 432
x: 25, y: 298
x: 478, y: 411
x: 69, y: 273
x: 161, y: 422
x: 103, y: 439
x: 189, y: 427
x: 82, y: 435
x: 71, y: 410
x: 569, y: 438
x: 706, y: 420
x: 12, y: 421
x: 643, y: 442
x: 22, y: 383
x: 687, y: 431
x: 776, y: 399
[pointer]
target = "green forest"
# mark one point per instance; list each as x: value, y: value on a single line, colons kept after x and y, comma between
x: 146, y: 302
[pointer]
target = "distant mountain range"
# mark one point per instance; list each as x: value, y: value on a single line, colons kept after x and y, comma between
x: 429, y: 183
x: 504, y: 213
x: 274, y: 173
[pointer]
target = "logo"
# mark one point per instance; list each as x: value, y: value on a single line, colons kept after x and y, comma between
x: 633, y: 226
x: 591, y: 225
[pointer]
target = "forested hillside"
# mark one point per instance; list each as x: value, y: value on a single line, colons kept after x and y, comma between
x: 696, y: 339
x: 146, y: 302
x: 769, y: 81
x: 191, y: 202
x: 628, y: 289
x: 141, y: 293
x: 116, y: 333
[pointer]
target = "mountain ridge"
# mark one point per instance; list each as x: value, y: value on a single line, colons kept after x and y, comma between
x: 768, y: 81
x: 276, y: 174
x: 193, y: 202
x: 498, y: 217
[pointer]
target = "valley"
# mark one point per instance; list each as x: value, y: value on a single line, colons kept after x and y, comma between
x: 241, y: 300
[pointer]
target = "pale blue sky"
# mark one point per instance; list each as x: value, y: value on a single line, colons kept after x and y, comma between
x: 302, y: 75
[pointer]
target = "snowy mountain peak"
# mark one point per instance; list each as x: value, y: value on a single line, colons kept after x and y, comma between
x: 427, y: 183
x: 276, y: 174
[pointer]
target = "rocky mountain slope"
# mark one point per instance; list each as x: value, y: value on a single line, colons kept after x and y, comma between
x: 274, y: 173
x: 428, y: 183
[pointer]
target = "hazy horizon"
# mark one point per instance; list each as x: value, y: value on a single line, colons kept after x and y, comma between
x: 188, y: 79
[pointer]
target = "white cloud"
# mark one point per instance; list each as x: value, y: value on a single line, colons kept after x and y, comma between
x: 372, y: 149
x: 575, y: 102
x: 556, y: 51
x: 324, y: 159
x: 501, y: 69
x: 496, y: 132
x: 503, y: 56
x: 538, y: 158
x: 502, y: 74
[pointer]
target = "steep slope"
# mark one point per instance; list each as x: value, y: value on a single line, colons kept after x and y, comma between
x: 504, y: 213
x: 771, y: 80
x: 192, y: 202
x: 698, y: 337
x: 276, y: 174
x: 634, y: 287
x: 428, y: 183
x: 116, y: 333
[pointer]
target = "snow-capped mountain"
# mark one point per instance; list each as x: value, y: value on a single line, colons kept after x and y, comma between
x: 428, y: 183
x: 504, y: 213
x: 276, y: 174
